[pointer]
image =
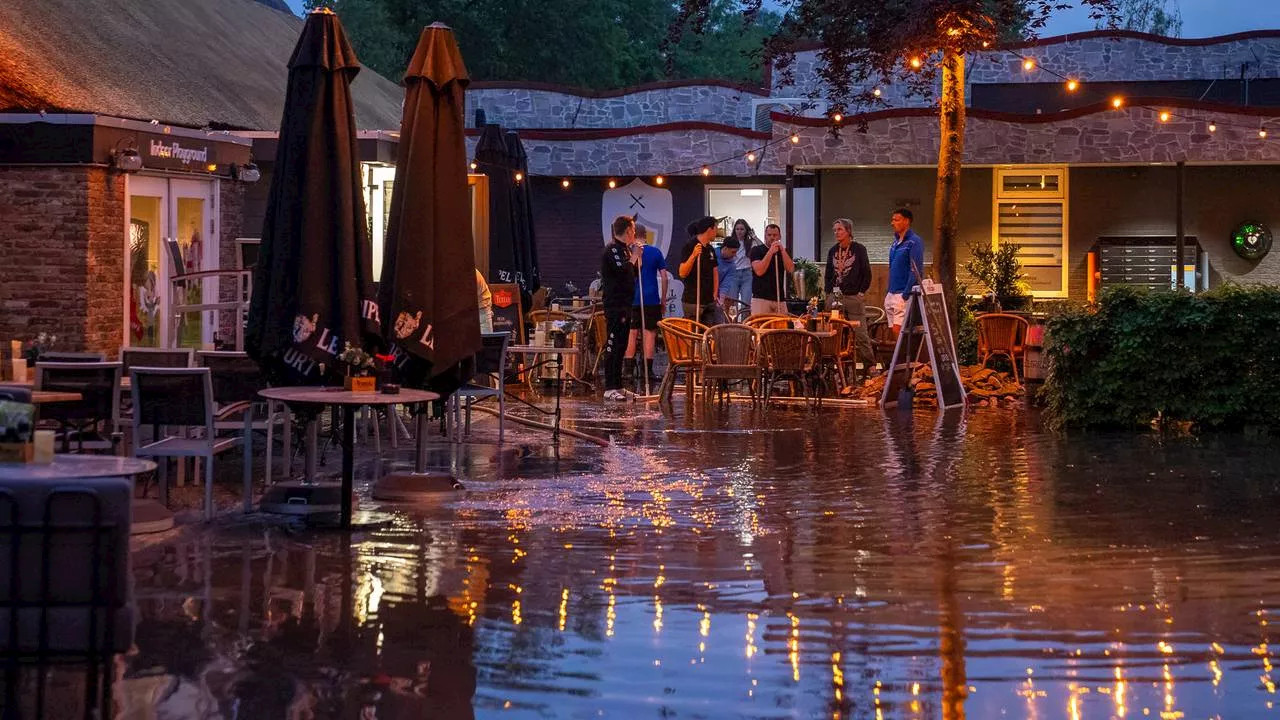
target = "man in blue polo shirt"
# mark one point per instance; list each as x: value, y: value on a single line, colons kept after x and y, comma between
x: 906, y: 258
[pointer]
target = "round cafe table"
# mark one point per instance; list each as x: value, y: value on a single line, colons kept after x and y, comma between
x: 148, y: 515
x: 349, y: 401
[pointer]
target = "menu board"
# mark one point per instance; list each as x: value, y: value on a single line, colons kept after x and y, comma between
x: 508, y: 312
x: 926, y: 319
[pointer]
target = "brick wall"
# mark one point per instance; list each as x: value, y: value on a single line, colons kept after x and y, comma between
x: 103, y: 293
x: 45, y: 238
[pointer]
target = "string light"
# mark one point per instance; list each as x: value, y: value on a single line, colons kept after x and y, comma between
x: 1073, y: 85
x: 1117, y: 102
x: 1262, y: 133
x: 876, y: 92
x: 612, y: 183
x: 1028, y: 64
x: 565, y: 183
x: 1164, y: 116
x: 837, y: 118
x: 751, y: 157
x: 1213, y: 127
x: 519, y: 176
x: 795, y: 138
x: 705, y: 171
x: 659, y: 180
x: 473, y: 165
x: 986, y: 43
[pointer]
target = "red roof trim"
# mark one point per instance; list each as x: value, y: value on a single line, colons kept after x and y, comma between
x: 1117, y: 35
x: 570, y: 134
x: 619, y: 92
x: 1030, y: 119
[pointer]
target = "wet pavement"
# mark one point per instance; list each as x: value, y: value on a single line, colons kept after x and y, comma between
x: 737, y: 563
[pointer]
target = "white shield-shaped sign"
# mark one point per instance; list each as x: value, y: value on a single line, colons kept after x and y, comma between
x: 652, y: 209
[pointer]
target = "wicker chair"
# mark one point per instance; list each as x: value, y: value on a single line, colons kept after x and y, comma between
x: 848, y: 344
x: 683, y: 339
x: 874, y: 314
x: 598, y: 330
x: 729, y: 353
x: 883, y: 342
x: 735, y: 311
x: 786, y: 355
x: 768, y: 322
x: 1002, y: 335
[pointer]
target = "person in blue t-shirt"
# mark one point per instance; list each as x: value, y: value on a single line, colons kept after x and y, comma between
x: 906, y: 260
x: 653, y: 279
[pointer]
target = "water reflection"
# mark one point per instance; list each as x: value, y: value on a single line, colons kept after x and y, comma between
x: 845, y: 566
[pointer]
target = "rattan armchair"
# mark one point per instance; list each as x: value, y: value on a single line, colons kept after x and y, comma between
x: 729, y: 353
x: 683, y: 340
x: 1002, y: 335
x: 786, y: 355
x: 768, y: 322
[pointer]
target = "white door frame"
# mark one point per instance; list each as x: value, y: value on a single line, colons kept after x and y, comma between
x: 169, y: 189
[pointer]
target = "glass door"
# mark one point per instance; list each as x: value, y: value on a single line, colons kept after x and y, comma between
x: 172, y: 231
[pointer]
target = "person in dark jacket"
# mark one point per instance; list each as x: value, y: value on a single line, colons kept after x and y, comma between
x: 618, y: 268
x: 698, y: 271
x: 849, y: 271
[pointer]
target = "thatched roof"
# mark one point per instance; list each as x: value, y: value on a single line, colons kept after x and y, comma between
x: 198, y: 63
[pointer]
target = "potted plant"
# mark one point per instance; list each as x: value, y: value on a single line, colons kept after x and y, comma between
x: 1000, y: 270
x: 359, y: 365
x: 43, y: 342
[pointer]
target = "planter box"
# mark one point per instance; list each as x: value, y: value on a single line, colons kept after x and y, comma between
x: 17, y: 452
x: 360, y: 383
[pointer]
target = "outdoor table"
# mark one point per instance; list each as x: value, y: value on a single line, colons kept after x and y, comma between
x: 39, y: 397
x: 147, y: 515
x: 557, y: 352
x: 349, y: 401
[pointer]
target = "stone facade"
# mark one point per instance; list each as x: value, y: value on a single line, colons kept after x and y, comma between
x: 1092, y: 57
x: 532, y: 107
x: 1129, y: 136
x: 62, y: 230
x: 678, y: 152
x: 231, y: 221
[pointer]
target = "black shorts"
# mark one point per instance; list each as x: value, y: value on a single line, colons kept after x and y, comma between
x: 652, y: 314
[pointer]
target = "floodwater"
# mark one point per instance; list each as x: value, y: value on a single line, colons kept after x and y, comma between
x: 740, y: 564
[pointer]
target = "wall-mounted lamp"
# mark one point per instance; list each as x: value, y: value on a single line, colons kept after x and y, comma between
x: 247, y: 173
x: 127, y: 160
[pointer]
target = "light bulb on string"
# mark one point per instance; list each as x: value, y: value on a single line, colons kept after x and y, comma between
x: 473, y: 165
x: 1213, y: 126
x: 659, y: 180
x: 876, y: 92
x: 751, y: 157
x: 1028, y: 64
x: 915, y: 62
x: 795, y: 138
x: 519, y: 176
x: 565, y: 183
x: 1117, y: 102
x: 1262, y: 133
x: 837, y: 118
x: 1164, y: 116
x: 1073, y: 85
x: 705, y: 171
x: 612, y: 183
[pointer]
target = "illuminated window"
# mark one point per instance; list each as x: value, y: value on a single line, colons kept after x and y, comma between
x: 1030, y: 210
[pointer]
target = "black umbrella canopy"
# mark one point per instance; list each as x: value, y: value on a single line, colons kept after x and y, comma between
x: 493, y: 160
x: 313, y: 285
x: 428, y: 292
x: 526, y: 245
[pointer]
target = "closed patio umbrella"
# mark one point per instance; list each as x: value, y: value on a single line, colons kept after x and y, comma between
x: 525, y: 240
x: 428, y: 295
x: 313, y: 285
x: 493, y: 160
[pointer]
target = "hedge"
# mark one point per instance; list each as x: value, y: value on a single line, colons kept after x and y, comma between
x: 1211, y: 360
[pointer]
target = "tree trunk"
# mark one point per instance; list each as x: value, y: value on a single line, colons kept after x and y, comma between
x: 946, y: 201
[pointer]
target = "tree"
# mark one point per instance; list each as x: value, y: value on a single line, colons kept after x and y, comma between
x: 597, y: 44
x: 1157, y: 17
x: 864, y: 44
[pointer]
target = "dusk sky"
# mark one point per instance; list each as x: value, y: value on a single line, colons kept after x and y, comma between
x: 1200, y: 18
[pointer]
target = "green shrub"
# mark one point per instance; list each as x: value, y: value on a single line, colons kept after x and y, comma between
x: 1211, y: 360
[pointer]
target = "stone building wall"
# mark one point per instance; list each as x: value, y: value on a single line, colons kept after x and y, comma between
x: 1130, y: 136
x: 231, y: 220
x: 535, y: 107
x: 662, y: 153
x: 1089, y: 56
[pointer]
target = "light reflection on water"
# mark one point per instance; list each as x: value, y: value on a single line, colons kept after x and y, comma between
x: 846, y: 566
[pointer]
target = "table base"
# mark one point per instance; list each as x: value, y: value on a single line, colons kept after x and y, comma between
x: 299, y: 498
x: 150, y: 516
x: 360, y: 520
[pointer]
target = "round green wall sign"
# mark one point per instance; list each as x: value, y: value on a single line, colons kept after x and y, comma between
x: 1251, y: 241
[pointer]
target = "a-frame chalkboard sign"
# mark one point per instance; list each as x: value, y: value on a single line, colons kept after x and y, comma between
x: 926, y: 319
